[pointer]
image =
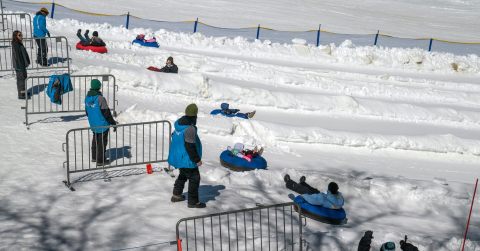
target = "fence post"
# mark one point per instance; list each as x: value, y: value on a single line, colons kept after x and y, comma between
x: 195, y: 25
x: 128, y: 20
x: 53, y: 10
x: 1, y: 8
x: 376, y: 37
x: 430, y: 45
x: 318, y: 34
x: 469, y: 215
x: 258, y: 31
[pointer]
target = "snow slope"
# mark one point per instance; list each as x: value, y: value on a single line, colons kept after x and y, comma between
x: 398, y: 129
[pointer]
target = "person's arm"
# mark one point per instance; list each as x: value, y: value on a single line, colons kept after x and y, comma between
x: 174, y: 69
x: 164, y: 69
x: 43, y: 25
x: 190, y: 144
x: 106, y: 111
x: 314, y: 199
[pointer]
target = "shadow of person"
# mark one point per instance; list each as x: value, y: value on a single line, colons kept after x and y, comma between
x: 35, y: 90
x: 209, y: 193
x: 57, y: 60
x: 119, y: 153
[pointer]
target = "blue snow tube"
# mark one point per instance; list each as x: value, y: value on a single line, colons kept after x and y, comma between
x: 146, y: 44
x: 230, y: 161
x: 319, y: 213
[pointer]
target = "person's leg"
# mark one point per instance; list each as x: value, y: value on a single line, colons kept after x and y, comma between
x: 103, y: 148
x: 44, y: 51
x: 86, y: 36
x: 241, y: 115
x: 294, y: 186
x: 21, y: 76
x: 94, y: 147
x: 180, y: 183
x: 193, y: 185
x: 82, y: 39
x: 304, y: 183
x: 39, y: 50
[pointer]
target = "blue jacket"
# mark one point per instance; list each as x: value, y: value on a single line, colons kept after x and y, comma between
x: 39, y: 25
x: 61, y: 87
x: 328, y: 200
x: 94, y: 114
x: 177, y: 155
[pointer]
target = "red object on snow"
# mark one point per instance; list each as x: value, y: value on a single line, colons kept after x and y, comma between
x: 153, y: 68
x: 97, y: 49
x: 149, y: 169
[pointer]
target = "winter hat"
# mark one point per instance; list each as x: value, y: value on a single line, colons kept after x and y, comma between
x: 44, y: 10
x: 333, y: 188
x: 171, y: 59
x: 95, y: 34
x: 368, y: 234
x: 388, y: 246
x: 191, y: 110
x: 95, y: 84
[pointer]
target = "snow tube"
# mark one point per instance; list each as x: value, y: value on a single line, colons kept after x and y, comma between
x: 97, y: 49
x: 319, y: 213
x: 146, y: 44
x: 228, y: 160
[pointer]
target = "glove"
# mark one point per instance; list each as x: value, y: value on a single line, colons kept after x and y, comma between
x: 48, y: 34
x: 115, y: 129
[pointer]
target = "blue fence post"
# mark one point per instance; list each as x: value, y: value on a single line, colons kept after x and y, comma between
x: 128, y: 20
x: 430, y: 45
x: 53, y: 9
x: 376, y: 37
x: 318, y: 34
x: 195, y: 26
x: 258, y: 31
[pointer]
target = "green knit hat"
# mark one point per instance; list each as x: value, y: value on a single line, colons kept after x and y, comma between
x: 95, y: 84
x: 191, y: 110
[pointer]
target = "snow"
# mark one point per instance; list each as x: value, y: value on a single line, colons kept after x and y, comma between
x: 397, y: 129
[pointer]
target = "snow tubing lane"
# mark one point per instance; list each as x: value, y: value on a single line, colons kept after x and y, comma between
x: 228, y: 160
x: 146, y: 44
x: 97, y: 49
x: 319, y: 213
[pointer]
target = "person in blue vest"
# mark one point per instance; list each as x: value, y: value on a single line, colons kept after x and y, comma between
x: 332, y: 199
x: 39, y: 33
x: 186, y: 155
x: 99, y: 118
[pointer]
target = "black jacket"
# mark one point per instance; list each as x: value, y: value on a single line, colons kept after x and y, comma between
x: 170, y: 69
x: 96, y: 41
x: 190, y: 147
x: 20, y: 59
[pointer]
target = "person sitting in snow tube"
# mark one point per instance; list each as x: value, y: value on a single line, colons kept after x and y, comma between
x: 225, y: 111
x: 169, y: 67
x: 238, y: 159
x: 94, y: 43
x: 140, y: 39
x: 324, y: 207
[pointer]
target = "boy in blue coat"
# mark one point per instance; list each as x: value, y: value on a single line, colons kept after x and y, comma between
x: 39, y: 33
x: 333, y: 199
x: 186, y: 154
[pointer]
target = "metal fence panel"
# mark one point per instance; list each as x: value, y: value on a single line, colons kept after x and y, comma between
x: 14, y: 21
x: 273, y: 227
x: 127, y: 145
x: 57, y: 53
x: 73, y: 101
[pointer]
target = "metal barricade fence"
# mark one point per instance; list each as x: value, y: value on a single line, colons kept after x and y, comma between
x: 15, y: 21
x: 55, y: 50
x: 73, y: 101
x: 272, y: 227
x: 127, y: 145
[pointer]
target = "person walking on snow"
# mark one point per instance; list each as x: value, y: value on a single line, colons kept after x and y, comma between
x: 333, y: 199
x: 39, y: 33
x: 99, y: 118
x: 20, y: 62
x: 186, y: 155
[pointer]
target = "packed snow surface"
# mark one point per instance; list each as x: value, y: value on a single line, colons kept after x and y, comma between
x: 397, y: 129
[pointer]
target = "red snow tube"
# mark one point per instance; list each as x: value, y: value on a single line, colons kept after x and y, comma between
x: 97, y: 49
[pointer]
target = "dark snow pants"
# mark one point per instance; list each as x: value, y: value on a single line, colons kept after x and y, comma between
x: 301, y: 188
x: 99, y: 146
x: 192, y: 175
x: 21, y: 77
x: 42, y: 51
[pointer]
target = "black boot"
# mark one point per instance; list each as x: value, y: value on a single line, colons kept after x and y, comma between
x: 177, y: 198
x: 198, y: 205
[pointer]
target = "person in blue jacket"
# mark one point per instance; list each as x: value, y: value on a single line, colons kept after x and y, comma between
x: 99, y: 118
x: 39, y: 33
x: 186, y: 155
x: 332, y: 199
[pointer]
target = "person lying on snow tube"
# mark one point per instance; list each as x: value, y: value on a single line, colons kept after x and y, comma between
x: 312, y: 201
x: 238, y: 159
x: 140, y: 39
x: 94, y: 43
x: 169, y: 67
x: 226, y: 111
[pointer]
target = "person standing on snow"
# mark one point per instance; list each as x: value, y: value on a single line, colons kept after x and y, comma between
x: 99, y: 118
x: 186, y: 154
x: 39, y: 33
x: 20, y: 62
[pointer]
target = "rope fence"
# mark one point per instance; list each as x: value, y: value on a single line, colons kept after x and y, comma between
x: 313, y: 37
